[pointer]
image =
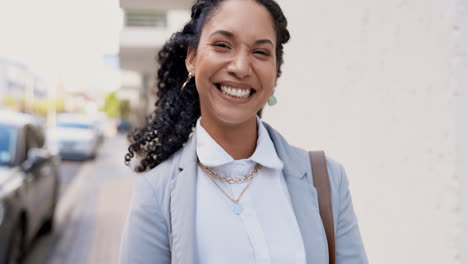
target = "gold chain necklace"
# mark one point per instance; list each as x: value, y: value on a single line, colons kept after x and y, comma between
x: 237, y: 208
x: 231, y: 180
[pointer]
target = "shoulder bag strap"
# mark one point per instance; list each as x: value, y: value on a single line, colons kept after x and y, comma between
x: 322, y: 184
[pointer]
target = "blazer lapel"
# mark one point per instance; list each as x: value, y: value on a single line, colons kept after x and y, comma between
x: 298, y: 176
x: 182, y: 204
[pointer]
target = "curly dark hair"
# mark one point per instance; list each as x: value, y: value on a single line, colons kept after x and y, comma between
x: 176, y: 113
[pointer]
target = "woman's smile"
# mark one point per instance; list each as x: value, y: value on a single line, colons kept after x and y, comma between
x: 235, y: 92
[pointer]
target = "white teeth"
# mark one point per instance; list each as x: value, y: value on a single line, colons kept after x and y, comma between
x: 240, y: 93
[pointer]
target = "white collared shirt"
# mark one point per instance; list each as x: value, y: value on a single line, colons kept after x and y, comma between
x: 266, y: 231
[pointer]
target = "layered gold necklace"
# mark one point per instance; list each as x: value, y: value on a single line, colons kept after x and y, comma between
x: 237, y: 208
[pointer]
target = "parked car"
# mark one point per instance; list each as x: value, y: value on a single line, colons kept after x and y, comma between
x: 76, y: 137
x: 29, y: 182
x: 123, y: 126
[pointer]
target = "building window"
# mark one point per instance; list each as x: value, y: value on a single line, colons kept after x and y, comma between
x: 145, y: 19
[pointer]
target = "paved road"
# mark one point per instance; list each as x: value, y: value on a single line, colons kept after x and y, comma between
x: 68, y: 172
x: 91, y: 211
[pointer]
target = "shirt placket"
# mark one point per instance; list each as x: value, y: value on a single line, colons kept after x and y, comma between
x: 250, y: 219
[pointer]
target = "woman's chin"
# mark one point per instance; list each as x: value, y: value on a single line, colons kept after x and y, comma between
x: 233, y: 118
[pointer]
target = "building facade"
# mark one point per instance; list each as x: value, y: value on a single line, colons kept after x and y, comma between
x: 147, y: 26
x: 19, y: 83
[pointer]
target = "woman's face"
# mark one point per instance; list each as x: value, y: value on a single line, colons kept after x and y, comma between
x: 235, y: 65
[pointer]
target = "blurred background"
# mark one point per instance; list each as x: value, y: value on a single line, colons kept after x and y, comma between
x: 380, y: 86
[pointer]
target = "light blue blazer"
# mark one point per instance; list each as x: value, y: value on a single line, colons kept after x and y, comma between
x: 161, y: 221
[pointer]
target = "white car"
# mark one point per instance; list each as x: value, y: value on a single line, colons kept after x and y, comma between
x: 75, y: 137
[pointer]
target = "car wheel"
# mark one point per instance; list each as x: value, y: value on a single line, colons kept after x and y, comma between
x: 48, y: 225
x: 16, y: 249
x: 93, y: 155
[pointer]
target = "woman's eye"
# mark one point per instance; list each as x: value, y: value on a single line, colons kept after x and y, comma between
x: 221, y: 45
x: 262, y: 52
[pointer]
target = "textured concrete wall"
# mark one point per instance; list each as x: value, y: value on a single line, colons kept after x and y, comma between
x: 461, y: 60
x: 377, y: 85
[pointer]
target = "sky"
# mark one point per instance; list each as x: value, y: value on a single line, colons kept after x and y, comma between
x: 64, y: 41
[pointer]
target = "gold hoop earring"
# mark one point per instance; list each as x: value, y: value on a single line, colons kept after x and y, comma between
x: 186, y: 81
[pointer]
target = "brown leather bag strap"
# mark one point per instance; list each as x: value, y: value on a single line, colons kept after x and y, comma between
x: 322, y: 184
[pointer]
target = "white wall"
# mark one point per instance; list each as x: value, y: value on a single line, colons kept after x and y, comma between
x: 377, y: 85
x: 462, y: 122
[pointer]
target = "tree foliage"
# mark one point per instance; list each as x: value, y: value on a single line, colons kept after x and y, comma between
x: 114, y: 107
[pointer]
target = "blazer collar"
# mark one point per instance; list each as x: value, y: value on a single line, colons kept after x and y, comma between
x: 292, y: 157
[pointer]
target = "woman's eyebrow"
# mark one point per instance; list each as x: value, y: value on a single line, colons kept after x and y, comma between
x: 224, y: 33
x: 231, y: 36
x: 264, y: 41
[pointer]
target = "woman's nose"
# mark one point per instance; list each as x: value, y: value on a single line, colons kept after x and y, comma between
x: 240, y: 65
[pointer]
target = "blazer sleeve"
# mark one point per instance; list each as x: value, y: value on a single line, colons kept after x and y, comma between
x: 145, y: 238
x: 349, y: 246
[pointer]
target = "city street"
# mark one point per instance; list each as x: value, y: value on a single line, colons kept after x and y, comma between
x: 91, y: 212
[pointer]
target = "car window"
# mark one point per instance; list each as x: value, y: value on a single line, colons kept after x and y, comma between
x: 74, y: 125
x: 8, y: 137
x: 35, y: 137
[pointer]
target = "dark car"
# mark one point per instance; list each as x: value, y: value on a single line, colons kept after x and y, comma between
x: 29, y: 181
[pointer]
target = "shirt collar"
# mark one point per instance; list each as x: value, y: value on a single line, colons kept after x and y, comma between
x: 211, y: 154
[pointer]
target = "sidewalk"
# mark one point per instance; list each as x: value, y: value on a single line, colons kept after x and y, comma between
x: 110, y: 217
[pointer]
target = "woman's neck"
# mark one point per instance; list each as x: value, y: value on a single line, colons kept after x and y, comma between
x: 238, y: 140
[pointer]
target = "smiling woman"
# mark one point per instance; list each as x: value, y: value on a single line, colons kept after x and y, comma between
x: 218, y: 185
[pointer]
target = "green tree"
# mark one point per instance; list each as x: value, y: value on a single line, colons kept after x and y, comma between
x: 112, y: 105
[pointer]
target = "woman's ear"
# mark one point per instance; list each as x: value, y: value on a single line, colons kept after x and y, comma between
x: 190, y: 60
